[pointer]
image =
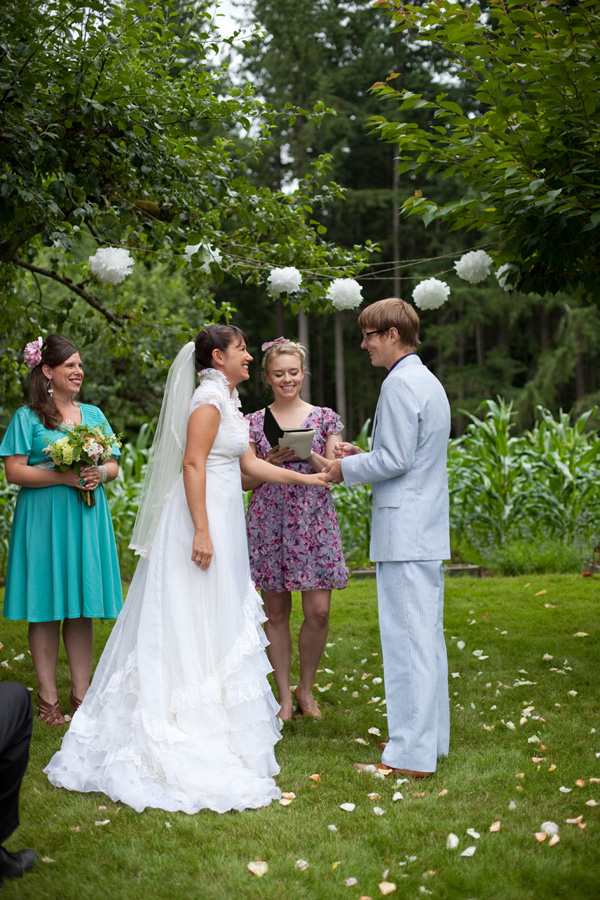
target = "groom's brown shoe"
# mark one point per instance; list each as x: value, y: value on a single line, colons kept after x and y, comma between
x: 390, y: 770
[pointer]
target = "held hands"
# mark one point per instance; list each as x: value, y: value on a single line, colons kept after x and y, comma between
x: 343, y: 449
x: 319, y: 479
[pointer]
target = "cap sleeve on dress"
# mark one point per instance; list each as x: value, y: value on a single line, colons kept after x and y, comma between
x: 212, y: 391
x: 18, y: 439
x: 255, y: 422
x: 332, y: 422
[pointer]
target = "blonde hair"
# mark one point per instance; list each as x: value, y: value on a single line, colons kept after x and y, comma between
x: 285, y: 347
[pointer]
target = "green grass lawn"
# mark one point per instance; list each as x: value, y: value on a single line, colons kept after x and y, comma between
x: 531, y: 665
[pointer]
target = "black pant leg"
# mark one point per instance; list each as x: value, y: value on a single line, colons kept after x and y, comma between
x: 16, y: 722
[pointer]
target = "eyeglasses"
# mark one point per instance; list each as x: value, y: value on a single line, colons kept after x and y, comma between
x: 367, y: 334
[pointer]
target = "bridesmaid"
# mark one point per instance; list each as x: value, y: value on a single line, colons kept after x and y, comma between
x: 293, y: 534
x: 69, y: 571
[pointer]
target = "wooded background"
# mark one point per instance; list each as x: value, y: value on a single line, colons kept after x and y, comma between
x: 140, y: 126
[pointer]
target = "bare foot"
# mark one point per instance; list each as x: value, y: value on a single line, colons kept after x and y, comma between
x: 286, y: 710
x: 307, y: 704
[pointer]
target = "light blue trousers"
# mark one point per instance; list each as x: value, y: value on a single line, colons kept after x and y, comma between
x: 415, y: 666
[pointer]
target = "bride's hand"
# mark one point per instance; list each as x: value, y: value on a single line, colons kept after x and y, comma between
x: 316, y: 480
x: 202, y: 551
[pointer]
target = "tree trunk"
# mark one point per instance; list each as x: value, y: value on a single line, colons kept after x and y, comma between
x: 479, y: 344
x: 303, y: 338
x: 340, y: 381
x: 396, y: 224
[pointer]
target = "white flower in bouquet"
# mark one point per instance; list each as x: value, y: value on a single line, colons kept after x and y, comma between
x: 93, y: 449
x: 111, y: 264
x: 285, y: 280
x: 508, y: 276
x: 474, y: 266
x: 345, y: 293
x: 431, y: 293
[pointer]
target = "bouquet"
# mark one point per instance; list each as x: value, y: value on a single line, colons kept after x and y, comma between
x: 82, y: 445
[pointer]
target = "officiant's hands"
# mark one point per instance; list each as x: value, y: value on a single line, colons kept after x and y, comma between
x: 278, y: 455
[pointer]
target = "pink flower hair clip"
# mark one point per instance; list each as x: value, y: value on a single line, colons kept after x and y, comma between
x: 268, y: 344
x: 33, y: 353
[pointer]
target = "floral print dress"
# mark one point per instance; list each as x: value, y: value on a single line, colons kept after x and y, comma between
x: 293, y: 534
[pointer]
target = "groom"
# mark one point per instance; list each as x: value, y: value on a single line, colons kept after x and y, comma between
x: 406, y: 467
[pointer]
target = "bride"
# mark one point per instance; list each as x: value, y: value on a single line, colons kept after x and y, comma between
x: 180, y: 715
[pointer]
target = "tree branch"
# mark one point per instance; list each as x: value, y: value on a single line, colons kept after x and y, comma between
x: 76, y: 288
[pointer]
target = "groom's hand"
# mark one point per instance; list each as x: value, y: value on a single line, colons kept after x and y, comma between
x: 333, y: 471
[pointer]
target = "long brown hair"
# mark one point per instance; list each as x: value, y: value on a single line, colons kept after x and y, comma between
x: 55, y: 351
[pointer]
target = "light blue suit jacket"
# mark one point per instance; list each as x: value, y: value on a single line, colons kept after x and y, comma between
x: 407, y: 467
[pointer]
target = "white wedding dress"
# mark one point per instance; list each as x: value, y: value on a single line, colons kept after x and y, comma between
x: 180, y: 715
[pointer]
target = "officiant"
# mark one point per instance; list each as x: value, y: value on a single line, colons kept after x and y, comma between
x: 293, y: 534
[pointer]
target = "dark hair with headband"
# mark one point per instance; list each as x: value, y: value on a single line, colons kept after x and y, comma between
x: 216, y: 337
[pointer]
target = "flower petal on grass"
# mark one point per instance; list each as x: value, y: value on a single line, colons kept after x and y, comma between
x: 495, y: 826
x: 591, y: 803
x: 574, y: 821
x: 348, y: 807
x: 443, y: 792
x: 374, y: 796
x: 314, y: 777
x: 258, y: 867
x: 397, y: 796
x: 474, y: 834
x: 378, y: 811
x: 375, y: 731
x: 301, y: 864
x: 362, y: 741
x: 549, y: 827
x: 46, y: 859
x: 332, y: 828
x: 553, y: 840
x: 351, y: 881
x: 386, y: 887
x: 565, y: 790
x: 577, y: 634
x: 461, y: 645
x: 469, y: 851
x: 540, y: 836
x: 452, y: 841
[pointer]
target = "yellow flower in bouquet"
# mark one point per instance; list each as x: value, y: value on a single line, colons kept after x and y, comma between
x: 82, y: 445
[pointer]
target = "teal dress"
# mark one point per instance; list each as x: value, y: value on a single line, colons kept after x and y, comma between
x: 62, y: 558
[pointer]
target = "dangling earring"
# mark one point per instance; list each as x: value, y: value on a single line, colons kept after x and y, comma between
x: 50, y: 388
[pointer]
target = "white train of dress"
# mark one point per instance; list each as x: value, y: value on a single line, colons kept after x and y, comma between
x: 180, y: 714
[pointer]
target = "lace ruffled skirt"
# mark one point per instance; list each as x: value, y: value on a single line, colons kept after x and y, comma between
x: 180, y: 714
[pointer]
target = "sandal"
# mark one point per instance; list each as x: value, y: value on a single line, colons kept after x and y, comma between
x: 303, y: 712
x: 75, y: 703
x: 50, y: 713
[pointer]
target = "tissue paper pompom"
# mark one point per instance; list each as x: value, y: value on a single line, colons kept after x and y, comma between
x: 431, y: 293
x: 286, y: 280
x: 111, y: 264
x: 345, y: 293
x: 474, y: 266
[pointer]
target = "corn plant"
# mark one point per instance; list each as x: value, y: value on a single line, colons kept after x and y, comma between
x: 543, y: 484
